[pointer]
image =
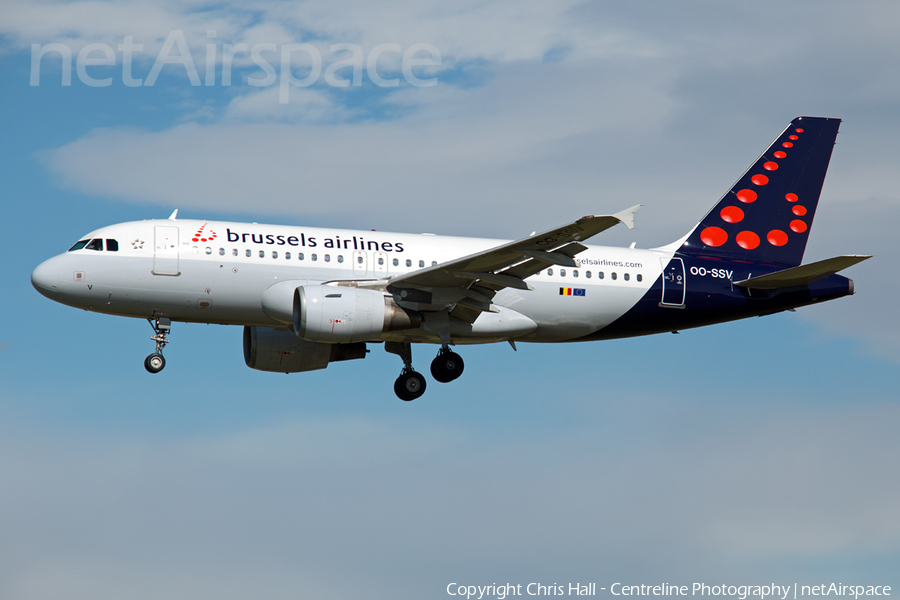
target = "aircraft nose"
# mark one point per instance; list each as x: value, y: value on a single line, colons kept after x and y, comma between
x: 45, y: 278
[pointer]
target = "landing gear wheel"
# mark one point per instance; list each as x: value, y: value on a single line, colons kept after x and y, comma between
x: 161, y: 327
x: 154, y: 363
x: 447, y: 366
x: 409, y: 386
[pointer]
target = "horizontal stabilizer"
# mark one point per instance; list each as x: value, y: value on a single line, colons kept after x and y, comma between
x: 803, y: 275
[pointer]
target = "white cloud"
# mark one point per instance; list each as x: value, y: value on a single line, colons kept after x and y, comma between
x: 505, y: 31
x: 304, y: 105
x: 466, y: 148
x: 82, y: 22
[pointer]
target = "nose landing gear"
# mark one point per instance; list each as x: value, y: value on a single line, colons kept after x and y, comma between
x: 155, y: 362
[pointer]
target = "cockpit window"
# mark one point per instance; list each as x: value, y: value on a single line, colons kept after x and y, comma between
x: 112, y: 245
x: 79, y: 245
x: 96, y: 244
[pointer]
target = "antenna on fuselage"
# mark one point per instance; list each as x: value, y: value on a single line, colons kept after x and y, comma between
x: 174, y: 215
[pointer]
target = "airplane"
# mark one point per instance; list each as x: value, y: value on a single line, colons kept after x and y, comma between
x: 308, y: 296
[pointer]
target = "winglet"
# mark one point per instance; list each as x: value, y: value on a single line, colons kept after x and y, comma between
x: 174, y: 215
x: 627, y: 216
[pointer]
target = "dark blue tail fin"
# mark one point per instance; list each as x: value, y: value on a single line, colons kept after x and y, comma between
x: 767, y: 215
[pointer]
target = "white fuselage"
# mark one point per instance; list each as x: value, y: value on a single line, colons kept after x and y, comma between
x: 218, y: 272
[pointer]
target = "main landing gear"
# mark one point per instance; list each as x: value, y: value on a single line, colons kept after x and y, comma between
x: 446, y: 367
x: 155, y: 362
x: 411, y: 384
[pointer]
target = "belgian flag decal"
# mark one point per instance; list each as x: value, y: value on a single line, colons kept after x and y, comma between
x: 571, y: 291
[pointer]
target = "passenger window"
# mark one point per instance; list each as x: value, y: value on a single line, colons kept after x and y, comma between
x: 380, y: 260
x: 300, y: 256
x: 550, y: 272
x: 274, y: 253
x: 340, y: 258
x: 234, y: 251
x: 408, y: 263
x: 587, y: 274
x: 314, y: 257
x: 640, y: 277
x: 574, y: 273
x: 613, y: 275
x: 562, y: 272
x: 599, y: 274
x: 112, y: 245
x: 327, y: 258
x: 359, y: 260
x: 208, y: 250
x: 221, y: 251
x: 627, y: 276
x: 249, y: 253
x: 421, y: 263
x: 262, y: 253
x: 81, y: 244
x: 434, y: 263
x: 287, y: 256
x: 396, y: 262
x: 95, y: 245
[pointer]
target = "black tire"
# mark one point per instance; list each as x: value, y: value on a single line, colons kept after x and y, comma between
x: 409, y: 386
x: 154, y: 363
x: 447, y: 366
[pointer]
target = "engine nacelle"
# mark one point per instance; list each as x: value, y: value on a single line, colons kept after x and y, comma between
x: 278, y: 300
x: 280, y: 351
x: 324, y: 313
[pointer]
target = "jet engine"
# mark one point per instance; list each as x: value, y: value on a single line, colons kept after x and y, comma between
x: 280, y: 351
x: 324, y: 313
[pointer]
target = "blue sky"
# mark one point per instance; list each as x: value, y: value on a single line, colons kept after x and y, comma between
x: 741, y: 453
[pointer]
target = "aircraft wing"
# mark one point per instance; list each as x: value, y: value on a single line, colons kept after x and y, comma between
x: 471, y: 281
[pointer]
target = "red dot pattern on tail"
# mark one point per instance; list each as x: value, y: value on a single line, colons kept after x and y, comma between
x: 731, y: 214
x: 776, y: 237
x: 749, y: 240
x: 713, y: 236
x: 746, y: 196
